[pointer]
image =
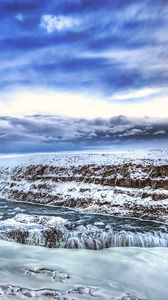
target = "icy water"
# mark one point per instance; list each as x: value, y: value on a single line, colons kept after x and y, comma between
x: 9, y: 209
x: 124, y: 273
x: 110, y: 273
x: 65, y: 228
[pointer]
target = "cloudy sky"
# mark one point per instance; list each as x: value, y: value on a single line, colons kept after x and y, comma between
x: 83, y: 74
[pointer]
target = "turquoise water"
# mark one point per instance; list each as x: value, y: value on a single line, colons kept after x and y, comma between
x: 112, y: 272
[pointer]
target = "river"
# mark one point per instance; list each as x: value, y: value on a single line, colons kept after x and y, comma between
x: 28, y: 271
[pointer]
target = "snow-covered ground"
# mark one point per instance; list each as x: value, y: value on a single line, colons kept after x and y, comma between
x: 62, y: 159
x: 130, y: 183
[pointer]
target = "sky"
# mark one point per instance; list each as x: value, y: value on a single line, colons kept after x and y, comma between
x: 83, y: 74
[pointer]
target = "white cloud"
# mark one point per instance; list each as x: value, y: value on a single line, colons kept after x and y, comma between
x: 160, y: 132
x: 19, y: 17
x: 53, y: 23
x: 133, y: 131
x: 140, y: 93
x: 77, y: 105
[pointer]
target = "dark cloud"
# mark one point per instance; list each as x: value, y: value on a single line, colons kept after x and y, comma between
x: 10, y: 6
x: 53, y: 133
x: 99, y: 75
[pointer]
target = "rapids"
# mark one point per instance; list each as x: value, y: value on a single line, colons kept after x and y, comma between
x: 114, y: 273
x: 66, y: 228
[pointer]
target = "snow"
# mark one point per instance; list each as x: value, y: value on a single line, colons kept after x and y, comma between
x: 24, y: 219
x: 71, y: 187
x: 64, y: 159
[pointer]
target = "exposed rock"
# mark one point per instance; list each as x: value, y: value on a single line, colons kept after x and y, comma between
x: 118, y: 185
x: 56, y: 275
x: 127, y: 296
x: 46, y: 294
x: 54, y: 232
x: 82, y: 290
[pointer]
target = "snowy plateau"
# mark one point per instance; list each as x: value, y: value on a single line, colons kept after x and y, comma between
x: 125, y: 184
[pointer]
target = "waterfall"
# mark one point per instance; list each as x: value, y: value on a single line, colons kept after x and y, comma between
x: 58, y: 232
x: 85, y: 238
x: 117, y: 239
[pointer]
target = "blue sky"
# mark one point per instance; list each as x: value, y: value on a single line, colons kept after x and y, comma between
x: 83, y: 64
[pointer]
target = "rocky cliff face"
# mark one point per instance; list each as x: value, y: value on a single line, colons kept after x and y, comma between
x: 118, y: 184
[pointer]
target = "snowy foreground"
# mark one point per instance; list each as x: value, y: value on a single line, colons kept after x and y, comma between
x: 130, y: 184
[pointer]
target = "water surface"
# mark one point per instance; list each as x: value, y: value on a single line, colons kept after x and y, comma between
x: 140, y: 272
x: 114, y: 273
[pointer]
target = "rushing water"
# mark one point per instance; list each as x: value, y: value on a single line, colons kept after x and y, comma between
x: 110, y: 273
x: 115, y: 273
x: 10, y: 209
x: 65, y: 228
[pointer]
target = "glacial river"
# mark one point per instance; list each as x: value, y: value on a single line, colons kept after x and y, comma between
x: 124, y: 273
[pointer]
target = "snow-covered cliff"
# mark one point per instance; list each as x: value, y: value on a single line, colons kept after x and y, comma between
x: 132, y: 183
